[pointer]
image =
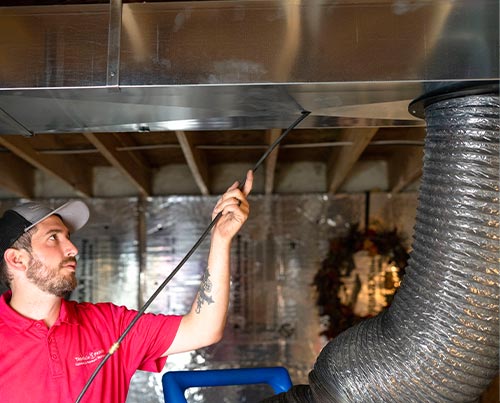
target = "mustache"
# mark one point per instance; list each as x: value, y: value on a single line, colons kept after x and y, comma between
x: 70, y: 259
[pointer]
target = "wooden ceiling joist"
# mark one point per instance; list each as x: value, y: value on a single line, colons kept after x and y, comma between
x: 343, y: 158
x: 59, y: 166
x: 405, y: 168
x: 17, y: 176
x: 132, y: 166
x: 196, y: 161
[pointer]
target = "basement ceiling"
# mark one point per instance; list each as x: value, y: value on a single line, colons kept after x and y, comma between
x: 110, y: 92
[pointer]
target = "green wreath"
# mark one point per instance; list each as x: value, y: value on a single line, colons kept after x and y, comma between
x: 340, y: 263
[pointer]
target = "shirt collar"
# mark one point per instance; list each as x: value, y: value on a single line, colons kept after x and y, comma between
x: 12, y: 318
x: 67, y: 313
x: 20, y: 323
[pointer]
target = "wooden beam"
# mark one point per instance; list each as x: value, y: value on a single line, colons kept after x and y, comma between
x: 271, y: 161
x: 17, y: 176
x: 405, y: 167
x: 129, y: 164
x: 196, y: 161
x: 64, y: 168
x: 342, y: 159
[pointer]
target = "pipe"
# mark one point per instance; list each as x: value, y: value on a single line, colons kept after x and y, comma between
x: 439, y: 339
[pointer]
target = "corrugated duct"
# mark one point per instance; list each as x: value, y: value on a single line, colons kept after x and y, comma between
x: 439, y: 340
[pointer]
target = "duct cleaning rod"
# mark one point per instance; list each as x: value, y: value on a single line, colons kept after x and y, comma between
x: 141, y: 311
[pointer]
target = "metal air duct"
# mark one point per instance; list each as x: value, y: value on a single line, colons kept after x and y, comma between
x: 230, y: 65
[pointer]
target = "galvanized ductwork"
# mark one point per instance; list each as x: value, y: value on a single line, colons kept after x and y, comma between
x: 439, y: 340
x: 234, y: 65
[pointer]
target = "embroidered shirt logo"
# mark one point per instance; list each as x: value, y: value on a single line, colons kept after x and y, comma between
x: 89, y: 357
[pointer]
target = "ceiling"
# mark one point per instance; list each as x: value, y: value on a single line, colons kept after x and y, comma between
x: 153, y: 95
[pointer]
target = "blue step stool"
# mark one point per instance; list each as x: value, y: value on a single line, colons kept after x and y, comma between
x: 176, y: 382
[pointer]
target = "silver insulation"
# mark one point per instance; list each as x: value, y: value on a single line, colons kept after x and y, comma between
x: 439, y: 340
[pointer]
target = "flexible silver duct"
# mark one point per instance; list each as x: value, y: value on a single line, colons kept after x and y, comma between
x: 439, y: 340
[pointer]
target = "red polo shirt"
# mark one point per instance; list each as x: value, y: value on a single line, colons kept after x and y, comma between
x: 43, y: 365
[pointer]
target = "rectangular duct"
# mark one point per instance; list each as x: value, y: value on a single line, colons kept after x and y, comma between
x: 234, y: 65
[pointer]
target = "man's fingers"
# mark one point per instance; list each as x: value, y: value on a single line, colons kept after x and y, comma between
x: 248, y: 183
x: 234, y: 197
x: 230, y: 203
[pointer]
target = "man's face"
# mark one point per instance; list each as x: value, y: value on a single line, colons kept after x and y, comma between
x: 52, y: 265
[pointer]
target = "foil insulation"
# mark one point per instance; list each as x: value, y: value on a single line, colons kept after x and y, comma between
x: 273, y: 319
x: 439, y: 340
x: 273, y: 261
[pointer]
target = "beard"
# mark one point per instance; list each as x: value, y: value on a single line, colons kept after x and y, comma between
x: 50, y: 279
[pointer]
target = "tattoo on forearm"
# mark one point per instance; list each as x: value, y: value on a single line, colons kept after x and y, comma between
x: 204, y: 292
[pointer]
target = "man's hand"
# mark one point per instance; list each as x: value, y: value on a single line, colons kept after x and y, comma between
x: 234, y: 208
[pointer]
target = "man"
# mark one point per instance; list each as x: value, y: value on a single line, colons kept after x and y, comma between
x: 49, y: 346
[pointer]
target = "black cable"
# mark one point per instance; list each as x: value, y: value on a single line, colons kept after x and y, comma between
x: 141, y: 311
